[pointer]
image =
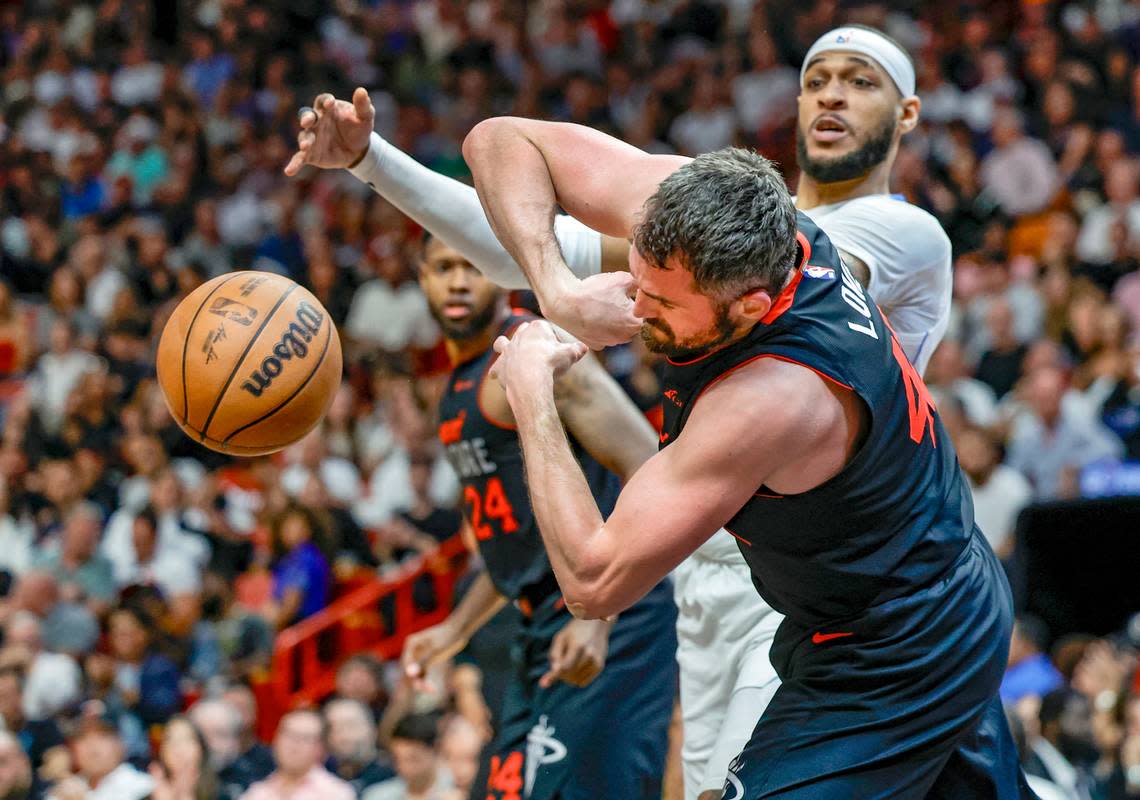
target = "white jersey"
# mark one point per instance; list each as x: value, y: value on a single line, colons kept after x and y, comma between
x: 908, y: 255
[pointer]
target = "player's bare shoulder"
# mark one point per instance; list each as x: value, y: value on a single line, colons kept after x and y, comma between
x: 747, y: 418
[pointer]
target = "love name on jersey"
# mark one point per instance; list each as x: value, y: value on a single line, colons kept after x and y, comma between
x: 854, y: 296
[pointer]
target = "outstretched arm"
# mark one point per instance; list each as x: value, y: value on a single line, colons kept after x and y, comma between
x: 337, y: 133
x: 680, y: 496
x: 524, y: 168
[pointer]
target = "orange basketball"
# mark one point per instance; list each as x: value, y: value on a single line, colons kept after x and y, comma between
x: 249, y: 363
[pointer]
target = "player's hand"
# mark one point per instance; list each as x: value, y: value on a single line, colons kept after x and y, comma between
x: 578, y: 652
x: 533, y: 351
x: 598, y: 309
x: 427, y: 648
x: 334, y: 133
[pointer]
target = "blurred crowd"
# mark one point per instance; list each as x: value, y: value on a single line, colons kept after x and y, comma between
x: 143, y: 578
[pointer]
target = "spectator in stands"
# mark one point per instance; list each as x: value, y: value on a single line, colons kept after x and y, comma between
x: 361, y: 678
x: 1121, y: 206
x: 146, y: 682
x: 1056, y: 439
x: 102, y: 772
x: 1000, y: 365
x: 53, y: 681
x: 1020, y: 171
x: 84, y: 574
x: 351, y: 741
x: 182, y: 771
x: 16, y: 780
x: 57, y: 372
x: 301, y: 574
x: 419, y: 769
x: 220, y: 725
x: 949, y: 377
x: 299, y: 750
x: 1065, y: 750
x: 339, y: 476
x: 256, y: 759
x: 1030, y: 672
x: 461, y: 747
x: 149, y: 563
x: 1000, y: 492
x: 389, y: 311
x: 42, y: 739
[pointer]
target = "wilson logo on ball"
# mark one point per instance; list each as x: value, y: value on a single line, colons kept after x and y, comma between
x: 293, y: 343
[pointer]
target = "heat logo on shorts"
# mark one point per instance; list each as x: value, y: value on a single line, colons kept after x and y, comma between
x: 819, y: 273
x: 293, y: 342
x: 541, y: 749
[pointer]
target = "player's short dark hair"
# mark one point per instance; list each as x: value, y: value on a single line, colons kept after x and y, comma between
x: 421, y: 728
x: 728, y: 218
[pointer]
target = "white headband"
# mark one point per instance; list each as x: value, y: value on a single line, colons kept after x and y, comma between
x: 874, y: 45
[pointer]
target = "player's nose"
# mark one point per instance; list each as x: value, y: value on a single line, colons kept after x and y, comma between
x: 642, y: 304
x: 832, y: 94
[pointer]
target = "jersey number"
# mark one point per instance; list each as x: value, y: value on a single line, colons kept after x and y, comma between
x: 492, y: 506
x: 920, y: 405
x: 506, y: 781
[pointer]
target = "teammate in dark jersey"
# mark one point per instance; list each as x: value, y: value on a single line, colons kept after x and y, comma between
x: 795, y: 422
x: 569, y: 728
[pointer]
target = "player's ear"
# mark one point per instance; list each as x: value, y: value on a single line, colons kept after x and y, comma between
x: 908, y: 113
x: 755, y: 304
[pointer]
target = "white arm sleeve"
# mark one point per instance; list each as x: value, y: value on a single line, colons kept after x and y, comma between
x: 451, y: 211
x: 909, y: 258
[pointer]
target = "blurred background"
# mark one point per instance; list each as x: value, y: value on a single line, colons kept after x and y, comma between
x: 141, y: 149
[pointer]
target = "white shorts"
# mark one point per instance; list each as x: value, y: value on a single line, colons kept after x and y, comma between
x: 724, y: 634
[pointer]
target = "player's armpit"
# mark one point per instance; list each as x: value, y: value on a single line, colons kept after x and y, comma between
x: 858, y: 267
x: 603, y: 418
x: 742, y: 431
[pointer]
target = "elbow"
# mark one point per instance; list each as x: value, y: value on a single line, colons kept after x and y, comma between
x: 596, y: 595
x: 482, y: 139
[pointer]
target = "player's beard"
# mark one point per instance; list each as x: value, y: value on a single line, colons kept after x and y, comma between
x: 462, y: 330
x: 692, y: 347
x: 854, y: 164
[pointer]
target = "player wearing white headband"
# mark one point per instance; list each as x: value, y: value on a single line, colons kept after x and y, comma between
x: 857, y: 100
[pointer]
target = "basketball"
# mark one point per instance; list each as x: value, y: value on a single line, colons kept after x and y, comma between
x: 248, y: 363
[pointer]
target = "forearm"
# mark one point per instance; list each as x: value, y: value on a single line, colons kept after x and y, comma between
x: 451, y: 211
x: 481, y: 602
x: 516, y: 189
x: 567, y: 514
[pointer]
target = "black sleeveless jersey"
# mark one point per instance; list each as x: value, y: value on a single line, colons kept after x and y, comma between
x: 488, y: 458
x: 900, y: 512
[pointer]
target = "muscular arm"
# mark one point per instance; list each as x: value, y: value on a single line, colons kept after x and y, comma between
x: 523, y: 168
x: 603, y: 419
x: 681, y: 495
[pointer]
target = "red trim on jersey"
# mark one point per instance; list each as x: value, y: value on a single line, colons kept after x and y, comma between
x: 781, y: 303
x: 769, y: 496
x: 741, y: 538
x: 786, y: 297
